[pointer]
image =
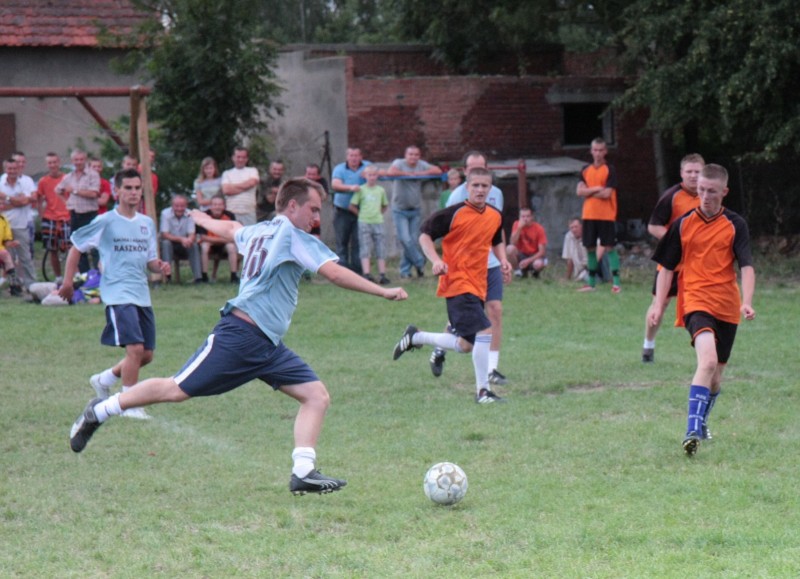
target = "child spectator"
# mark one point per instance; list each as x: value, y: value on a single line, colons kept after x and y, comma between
x: 369, y: 203
x: 453, y: 180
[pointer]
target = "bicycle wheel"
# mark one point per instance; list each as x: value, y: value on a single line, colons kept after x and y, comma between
x: 48, y: 273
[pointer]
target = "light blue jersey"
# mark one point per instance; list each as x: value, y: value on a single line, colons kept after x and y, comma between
x: 276, y: 254
x: 495, y: 199
x: 126, y: 246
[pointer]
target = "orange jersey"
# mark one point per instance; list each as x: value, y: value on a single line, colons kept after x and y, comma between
x: 674, y: 203
x: 594, y: 207
x: 55, y: 205
x: 468, y: 235
x: 705, y: 248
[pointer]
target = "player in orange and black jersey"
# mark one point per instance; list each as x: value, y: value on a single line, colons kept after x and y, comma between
x: 468, y: 231
x: 675, y: 202
x: 704, y: 243
x: 598, y: 188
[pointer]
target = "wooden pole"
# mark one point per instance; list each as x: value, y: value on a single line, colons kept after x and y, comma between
x: 143, y: 142
x: 136, y: 97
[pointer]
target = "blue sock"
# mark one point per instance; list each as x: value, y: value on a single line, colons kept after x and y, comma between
x: 711, y: 401
x: 698, y: 404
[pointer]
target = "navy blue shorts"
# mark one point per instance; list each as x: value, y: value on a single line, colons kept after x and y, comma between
x: 127, y: 324
x: 724, y: 332
x: 466, y: 316
x: 235, y: 353
x: 494, y: 284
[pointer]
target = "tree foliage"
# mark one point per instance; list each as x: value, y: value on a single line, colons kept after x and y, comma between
x: 732, y: 68
x: 212, y: 71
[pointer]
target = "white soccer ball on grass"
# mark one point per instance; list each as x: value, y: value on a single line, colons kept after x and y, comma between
x: 445, y: 483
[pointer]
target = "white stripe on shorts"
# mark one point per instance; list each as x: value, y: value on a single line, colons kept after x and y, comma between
x: 113, y: 317
x: 197, y: 361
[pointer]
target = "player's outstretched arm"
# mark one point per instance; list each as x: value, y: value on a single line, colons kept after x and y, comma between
x: 345, y: 278
x: 225, y: 229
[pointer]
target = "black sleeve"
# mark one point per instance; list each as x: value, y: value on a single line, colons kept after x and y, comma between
x: 662, y: 212
x: 437, y: 225
x: 668, y: 251
x: 741, y: 241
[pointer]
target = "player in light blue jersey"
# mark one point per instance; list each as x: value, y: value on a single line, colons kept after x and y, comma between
x: 247, y: 342
x: 126, y: 241
x: 494, y: 296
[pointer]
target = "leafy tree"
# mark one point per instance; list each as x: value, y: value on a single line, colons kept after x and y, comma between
x: 212, y: 73
x: 731, y: 68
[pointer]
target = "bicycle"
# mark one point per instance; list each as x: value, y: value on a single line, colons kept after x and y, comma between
x: 58, y: 245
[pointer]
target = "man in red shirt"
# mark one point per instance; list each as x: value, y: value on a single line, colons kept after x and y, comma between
x: 468, y: 230
x: 527, y: 248
x: 53, y: 209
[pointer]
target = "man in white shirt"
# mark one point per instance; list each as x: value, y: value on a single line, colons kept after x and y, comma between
x: 239, y: 187
x: 574, y: 251
x: 16, y: 198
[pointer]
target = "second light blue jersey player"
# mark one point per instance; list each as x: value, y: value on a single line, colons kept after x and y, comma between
x: 126, y: 246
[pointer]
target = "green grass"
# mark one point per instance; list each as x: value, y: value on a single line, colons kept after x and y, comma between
x: 580, y: 475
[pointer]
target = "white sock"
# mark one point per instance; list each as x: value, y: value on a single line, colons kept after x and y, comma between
x: 649, y: 344
x: 108, y: 407
x: 304, y: 458
x: 107, y: 378
x: 444, y: 341
x: 480, y: 360
x: 494, y: 358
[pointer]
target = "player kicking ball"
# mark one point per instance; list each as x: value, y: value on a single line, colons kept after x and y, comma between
x: 247, y: 342
x: 705, y: 243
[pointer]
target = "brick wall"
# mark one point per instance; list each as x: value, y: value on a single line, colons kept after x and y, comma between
x: 508, y: 117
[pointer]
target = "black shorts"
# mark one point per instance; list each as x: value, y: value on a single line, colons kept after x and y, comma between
x: 673, y: 288
x: 724, y: 332
x: 128, y: 324
x: 466, y: 316
x: 594, y: 229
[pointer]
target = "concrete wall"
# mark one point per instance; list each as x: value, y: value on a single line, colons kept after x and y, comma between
x: 55, y: 124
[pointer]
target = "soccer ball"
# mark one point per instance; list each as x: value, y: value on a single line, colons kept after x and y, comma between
x: 445, y: 483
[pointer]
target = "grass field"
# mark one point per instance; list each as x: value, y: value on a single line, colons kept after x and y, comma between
x: 581, y: 474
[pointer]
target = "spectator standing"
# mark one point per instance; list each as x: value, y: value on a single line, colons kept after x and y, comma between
x: 105, y: 186
x: 265, y: 208
x: 406, y: 204
x: 178, y: 237
x: 212, y: 245
x: 675, y: 202
x: 527, y: 250
x: 370, y: 203
x: 239, y: 185
x: 53, y: 210
x: 347, y: 178
x: 598, y: 188
x: 208, y: 182
x: 17, y: 198
x: 130, y: 322
x: 28, y: 184
x: 81, y: 188
x: 574, y: 252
